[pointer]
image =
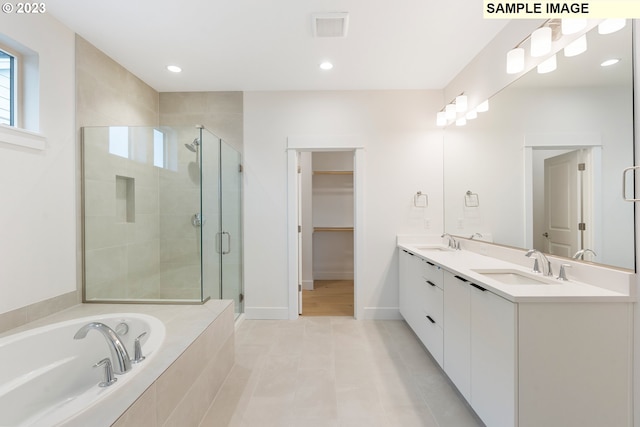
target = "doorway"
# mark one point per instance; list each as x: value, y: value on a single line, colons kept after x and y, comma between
x: 327, y: 239
x: 300, y: 144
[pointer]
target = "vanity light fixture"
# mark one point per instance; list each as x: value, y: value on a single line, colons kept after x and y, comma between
x: 174, y: 68
x: 548, y: 65
x: 461, y: 121
x: 541, y: 41
x: 515, y: 60
x: 611, y: 25
x: 572, y: 26
x: 326, y: 65
x: 441, y: 118
x: 483, y: 107
x: 610, y: 62
x: 576, y: 47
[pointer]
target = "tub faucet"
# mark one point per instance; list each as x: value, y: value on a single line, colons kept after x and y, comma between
x: 546, y: 264
x: 452, y: 242
x: 119, y: 355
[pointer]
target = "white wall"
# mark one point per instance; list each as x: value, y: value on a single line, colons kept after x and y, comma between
x: 402, y: 153
x: 37, y: 187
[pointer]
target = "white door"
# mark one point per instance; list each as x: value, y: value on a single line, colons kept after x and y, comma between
x: 562, y: 213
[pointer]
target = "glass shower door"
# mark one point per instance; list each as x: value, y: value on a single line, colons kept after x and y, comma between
x: 231, y: 225
x: 210, y: 210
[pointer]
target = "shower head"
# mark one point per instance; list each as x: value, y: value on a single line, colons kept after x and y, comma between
x: 193, y: 146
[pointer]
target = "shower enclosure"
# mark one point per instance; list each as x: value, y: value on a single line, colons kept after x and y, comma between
x: 161, y: 216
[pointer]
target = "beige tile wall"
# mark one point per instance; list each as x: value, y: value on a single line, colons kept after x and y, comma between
x: 219, y: 112
x: 184, y: 392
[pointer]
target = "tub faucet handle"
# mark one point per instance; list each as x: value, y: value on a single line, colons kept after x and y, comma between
x: 109, y: 378
x: 137, y: 350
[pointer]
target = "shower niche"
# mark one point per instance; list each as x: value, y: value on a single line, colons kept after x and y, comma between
x: 161, y: 211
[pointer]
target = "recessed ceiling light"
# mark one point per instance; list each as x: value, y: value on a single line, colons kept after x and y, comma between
x: 609, y: 62
x: 326, y: 65
x: 174, y: 68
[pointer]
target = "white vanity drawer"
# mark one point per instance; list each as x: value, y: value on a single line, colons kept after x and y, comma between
x: 431, y: 301
x: 432, y: 336
x: 432, y: 273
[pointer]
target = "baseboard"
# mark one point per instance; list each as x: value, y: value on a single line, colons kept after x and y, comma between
x: 266, y: 313
x: 381, y: 313
x: 307, y: 285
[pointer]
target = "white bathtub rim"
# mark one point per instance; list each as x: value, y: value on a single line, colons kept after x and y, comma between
x: 70, y: 409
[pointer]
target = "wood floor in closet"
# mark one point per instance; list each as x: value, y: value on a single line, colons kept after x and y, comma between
x: 328, y: 298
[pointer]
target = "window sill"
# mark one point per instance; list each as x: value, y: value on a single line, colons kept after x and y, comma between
x: 22, y: 137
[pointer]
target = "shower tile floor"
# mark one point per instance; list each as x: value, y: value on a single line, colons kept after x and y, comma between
x: 335, y: 371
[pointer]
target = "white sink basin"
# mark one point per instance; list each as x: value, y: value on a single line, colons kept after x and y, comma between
x: 434, y: 248
x: 515, y: 277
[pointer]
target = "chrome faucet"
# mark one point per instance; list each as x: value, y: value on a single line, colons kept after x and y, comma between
x: 581, y: 252
x: 119, y: 355
x: 452, y: 242
x: 546, y: 264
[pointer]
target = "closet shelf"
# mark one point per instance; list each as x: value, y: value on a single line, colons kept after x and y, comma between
x: 333, y: 172
x: 332, y: 229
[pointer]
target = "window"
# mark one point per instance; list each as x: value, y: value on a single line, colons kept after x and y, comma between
x: 7, y: 88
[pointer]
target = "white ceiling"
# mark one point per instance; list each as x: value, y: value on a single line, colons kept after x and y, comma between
x: 254, y: 45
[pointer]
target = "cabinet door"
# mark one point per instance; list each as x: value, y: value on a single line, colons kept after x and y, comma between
x: 457, y: 333
x: 404, y: 261
x: 493, y: 358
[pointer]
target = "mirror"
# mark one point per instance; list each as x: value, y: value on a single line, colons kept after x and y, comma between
x: 573, y: 125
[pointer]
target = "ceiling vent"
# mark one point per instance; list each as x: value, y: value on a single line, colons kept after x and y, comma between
x: 333, y: 24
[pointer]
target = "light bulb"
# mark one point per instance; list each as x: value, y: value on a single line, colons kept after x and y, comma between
x: 547, y: 65
x: 515, y: 60
x: 461, y: 103
x: 450, y: 111
x: 572, y: 26
x: 541, y: 42
x: 611, y: 25
x: 576, y: 47
x: 483, y: 107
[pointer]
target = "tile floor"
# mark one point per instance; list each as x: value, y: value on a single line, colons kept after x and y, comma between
x: 335, y: 371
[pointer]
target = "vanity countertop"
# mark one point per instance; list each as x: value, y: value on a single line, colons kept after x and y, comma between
x: 465, y: 263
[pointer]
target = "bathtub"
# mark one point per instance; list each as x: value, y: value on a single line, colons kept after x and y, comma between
x: 47, y: 377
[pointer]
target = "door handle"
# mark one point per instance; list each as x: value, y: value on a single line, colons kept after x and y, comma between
x: 624, y: 184
x: 545, y: 234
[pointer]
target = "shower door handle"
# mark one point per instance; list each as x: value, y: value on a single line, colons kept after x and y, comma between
x: 228, y: 243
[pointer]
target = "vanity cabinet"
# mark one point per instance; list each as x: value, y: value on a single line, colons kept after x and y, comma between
x: 542, y: 361
x: 421, y: 301
x: 480, y: 348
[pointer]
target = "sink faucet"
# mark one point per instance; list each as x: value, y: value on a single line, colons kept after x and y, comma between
x: 119, y: 355
x: 452, y: 242
x: 581, y: 252
x: 546, y: 264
